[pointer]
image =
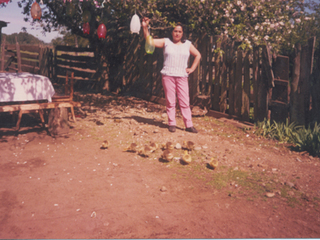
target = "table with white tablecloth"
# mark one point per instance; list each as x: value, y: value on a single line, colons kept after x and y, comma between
x: 18, y: 87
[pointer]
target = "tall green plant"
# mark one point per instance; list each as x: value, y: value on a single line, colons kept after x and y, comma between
x: 308, y: 139
x: 283, y: 132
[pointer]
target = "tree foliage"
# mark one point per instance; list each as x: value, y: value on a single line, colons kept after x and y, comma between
x: 279, y: 23
x: 22, y: 38
x: 251, y: 22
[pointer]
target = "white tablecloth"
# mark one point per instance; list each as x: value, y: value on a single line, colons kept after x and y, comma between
x: 25, y: 86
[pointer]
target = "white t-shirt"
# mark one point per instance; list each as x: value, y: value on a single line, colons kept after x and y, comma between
x: 175, y: 58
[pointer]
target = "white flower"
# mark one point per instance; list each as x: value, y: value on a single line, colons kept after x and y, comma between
x: 266, y: 37
x: 298, y: 20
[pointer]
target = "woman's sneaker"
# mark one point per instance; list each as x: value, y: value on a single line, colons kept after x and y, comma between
x: 172, y: 128
x: 192, y: 130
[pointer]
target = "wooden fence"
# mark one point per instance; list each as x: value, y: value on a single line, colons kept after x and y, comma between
x: 249, y: 86
x: 24, y: 58
x: 81, y: 61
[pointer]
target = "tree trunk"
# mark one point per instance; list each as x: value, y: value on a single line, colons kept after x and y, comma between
x: 58, y: 122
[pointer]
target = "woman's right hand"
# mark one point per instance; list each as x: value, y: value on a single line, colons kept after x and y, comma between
x: 145, y: 22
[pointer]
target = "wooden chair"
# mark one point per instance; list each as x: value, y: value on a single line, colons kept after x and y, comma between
x: 68, y: 93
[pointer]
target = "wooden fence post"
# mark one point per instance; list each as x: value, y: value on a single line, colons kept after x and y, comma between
x: 255, y: 78
x: 294, y: 98
x: 238, y: 84
x: 210, y: 70
x: 232, y: 68
x: 315, y: 89
x: 3, y: 52
x: 50, y: 64
x: 18, y: 55
x: 224, y: 76
x: 194, y: 79
x: 305, y: 73
x: 216, y: 88
x: 204, y: 63
x: 246, y: 88
x: 264, y: 85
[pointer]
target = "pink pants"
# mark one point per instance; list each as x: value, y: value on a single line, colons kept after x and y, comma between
x: 179, y: 86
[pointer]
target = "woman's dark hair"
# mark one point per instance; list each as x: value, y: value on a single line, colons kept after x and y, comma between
x: 184, y: 38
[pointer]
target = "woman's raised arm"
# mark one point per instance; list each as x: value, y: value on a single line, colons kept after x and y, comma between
x: 158, y: 42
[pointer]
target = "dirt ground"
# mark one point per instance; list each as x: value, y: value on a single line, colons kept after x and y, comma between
x: 68, y: 187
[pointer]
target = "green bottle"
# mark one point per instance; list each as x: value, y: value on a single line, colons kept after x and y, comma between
x: 149, y: 46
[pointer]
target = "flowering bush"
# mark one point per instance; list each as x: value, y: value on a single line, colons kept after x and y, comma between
x: 251, y: 22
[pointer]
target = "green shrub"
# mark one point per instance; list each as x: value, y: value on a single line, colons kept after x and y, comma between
x: 283, y: 132
x: 308, y: 139
x: 304, y: 139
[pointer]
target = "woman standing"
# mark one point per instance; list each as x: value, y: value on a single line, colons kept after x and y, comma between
x: 175, y: 72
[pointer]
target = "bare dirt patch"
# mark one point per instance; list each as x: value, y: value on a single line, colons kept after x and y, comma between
x: 67, y: 187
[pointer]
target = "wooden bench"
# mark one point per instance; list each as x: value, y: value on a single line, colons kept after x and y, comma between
x: 27, y: 107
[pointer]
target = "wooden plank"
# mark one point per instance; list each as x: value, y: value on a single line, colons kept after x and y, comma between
x: 238, y: 84
x: 29, y: 48
x: 11, y: 47
x: 210, y: 69
x: 246, y: 88
x: 61, y: 70
x: 38, y: 106
x: 30, y: 69
x: 76, y: 58
x: 10, y: 53
x: 203, y: 65
x: 85, y: 65
x: 267, y: 65
x: 217, y: 78
x: 29, y: 62
x: 232, y: 67
x: 73, y: 49
x: 305, y: 74
x: 29, y: 56
x: 224, y: 76
x: 3, y: 52
x: 18, y: 55
x: 194, y: 79
x: 263, y: 90
x: 296, y: 105
x: 78, y: 78
x: 255, y: 77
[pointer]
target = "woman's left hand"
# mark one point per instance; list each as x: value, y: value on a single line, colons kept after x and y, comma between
x: 189, y: 70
